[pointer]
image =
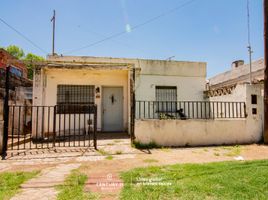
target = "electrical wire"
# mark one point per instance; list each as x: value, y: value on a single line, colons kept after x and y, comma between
x: 23, y: 36
x: 133, y: 28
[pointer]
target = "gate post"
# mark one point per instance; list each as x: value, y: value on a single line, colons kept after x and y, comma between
x: 6, y: 115
x: 54, y: 125
x: 95, y: 127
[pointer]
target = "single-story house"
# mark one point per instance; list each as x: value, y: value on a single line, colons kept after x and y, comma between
x: 161, y: 101
x: 111, y: 83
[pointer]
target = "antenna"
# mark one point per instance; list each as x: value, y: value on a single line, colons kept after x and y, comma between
x: 249, y: 44
x: 53, y: 34
x: 170, y: 58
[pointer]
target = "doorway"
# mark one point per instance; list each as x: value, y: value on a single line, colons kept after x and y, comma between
x: 112, y: 109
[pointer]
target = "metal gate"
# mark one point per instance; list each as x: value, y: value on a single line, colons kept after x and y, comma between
x: 38, y: 127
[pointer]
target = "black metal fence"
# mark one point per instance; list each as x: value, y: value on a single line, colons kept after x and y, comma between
x: 38, y: 127
x: 189, y: 110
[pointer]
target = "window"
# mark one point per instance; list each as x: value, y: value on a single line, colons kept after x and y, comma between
x: 253, y: 99
x: 254, y: 111
x: 16, y: 71
x: 74, y: 98
x: 166, y: 97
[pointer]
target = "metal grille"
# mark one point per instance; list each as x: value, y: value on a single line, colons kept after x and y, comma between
x: 74, y: 95
x: 190, y: 110
x: 167, y: 94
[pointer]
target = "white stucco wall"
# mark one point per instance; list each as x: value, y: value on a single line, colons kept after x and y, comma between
x: 189, y: 77
x: 197, y: 132
x: 188, y: 88
x: 243, y: 93
x: 209, y: 132
x: 100, y: 78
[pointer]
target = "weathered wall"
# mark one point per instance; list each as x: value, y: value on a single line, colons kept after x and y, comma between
x: 197, y: 132
x: 188, y: 88
x: 209, y: 132
x: 189, y: 77
x: 45, y: 93
x: 243, y: 93
x: 147, y: 66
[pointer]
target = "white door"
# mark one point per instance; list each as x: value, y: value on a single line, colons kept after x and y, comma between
x: 112, y: 109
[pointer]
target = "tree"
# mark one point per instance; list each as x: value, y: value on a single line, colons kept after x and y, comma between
x: 30, y: 58
x: 18, y: 53
x: 15, y: 51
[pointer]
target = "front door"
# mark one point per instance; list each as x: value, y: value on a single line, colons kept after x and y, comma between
x: 112, y: 109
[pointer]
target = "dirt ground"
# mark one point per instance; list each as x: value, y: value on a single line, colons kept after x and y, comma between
x: 116, y: 156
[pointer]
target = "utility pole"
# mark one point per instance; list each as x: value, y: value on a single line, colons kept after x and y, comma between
x: 265, y: 9
x: 53, y: 19
x: 249, y: 45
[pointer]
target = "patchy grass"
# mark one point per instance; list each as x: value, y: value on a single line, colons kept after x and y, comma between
x: 216, y: 154
x: 102, y: 152
x: 116, y: 141
x: 73, y: 188
x: 110, y: 157
x: 118, y: 152
x: 233, y: 151
x: 10, y: 182
x: 205, y: 149
x: 151, y: 145
x: 221, y: 180
x: 150, y: 160
x: 165, y: 149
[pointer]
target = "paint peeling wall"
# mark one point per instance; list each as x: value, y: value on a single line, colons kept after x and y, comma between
x: 99, y: 78
x: 189, y: 77
x: 209, y: 132
x: 197, y: 132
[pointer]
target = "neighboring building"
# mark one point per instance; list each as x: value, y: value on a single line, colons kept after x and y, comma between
x: 111, y: 82
x: 239, y: 74
x: 17, y: 67
x: 234, y: 85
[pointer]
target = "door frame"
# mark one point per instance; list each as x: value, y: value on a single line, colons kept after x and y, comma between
x: 102, y: 106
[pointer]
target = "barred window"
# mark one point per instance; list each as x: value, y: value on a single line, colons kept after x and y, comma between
x: 74, y: 98
x: 166, y: 97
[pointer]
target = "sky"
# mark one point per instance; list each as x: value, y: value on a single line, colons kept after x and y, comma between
x: 211, y: 31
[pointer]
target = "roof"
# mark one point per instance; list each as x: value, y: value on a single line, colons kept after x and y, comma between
x: 239, y: 74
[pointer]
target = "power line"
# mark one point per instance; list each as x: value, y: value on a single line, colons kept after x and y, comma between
x: 134, y: 27
x: 113, y: 40
x: 23, y: 36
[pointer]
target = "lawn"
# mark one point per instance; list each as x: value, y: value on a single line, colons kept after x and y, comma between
x: 222, y: 180
x: 11, y: 181
x: 73, y: 188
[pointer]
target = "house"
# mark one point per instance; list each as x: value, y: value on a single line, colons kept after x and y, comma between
x: 111, y: 83
x: 234, y: 85
x: 159, y: 101
x: 18, y: 68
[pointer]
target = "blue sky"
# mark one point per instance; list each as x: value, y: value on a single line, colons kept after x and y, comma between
x: 212, y: 31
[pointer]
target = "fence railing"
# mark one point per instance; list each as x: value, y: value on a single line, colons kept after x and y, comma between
x: 38, y: 127
x: 189, y: 110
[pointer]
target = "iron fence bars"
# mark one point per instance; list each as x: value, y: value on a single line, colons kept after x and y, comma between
x: 190, y: 110
x: 40, y: 127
